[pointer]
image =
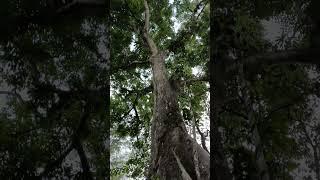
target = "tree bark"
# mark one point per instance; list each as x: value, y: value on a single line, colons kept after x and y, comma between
x: 219, y: 165
x: 168, y: 131
x: 171, y: 145
x: 317, y: 163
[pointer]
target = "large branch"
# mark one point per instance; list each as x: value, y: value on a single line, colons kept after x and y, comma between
x: 277, y: 109
x: 74, y: 144
x: 80, y: 132
x: 138, y: 94
x: 203, y: 138
x: 196, y: 79
x: 84, y: 160
x: 54, y: 164
x: 302, y: 56
x: 14, y: 94
x: 150, y: 42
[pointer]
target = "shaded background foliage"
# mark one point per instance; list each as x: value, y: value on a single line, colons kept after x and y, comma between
x: 54, y: 92
x: 282, y: 96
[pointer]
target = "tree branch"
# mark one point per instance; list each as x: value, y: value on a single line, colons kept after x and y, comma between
x: 305, y: 131
x: 52, y: 165
x: 197, y: 79
x: 303, y: 56
x: 136, y: 113
x: 15, y: 94
x: 150, y: 42
x: 198, y: 6
x: 83, y: 158
x: 279, y: 108
x: 203, y: 139
x: 75, y: 144
x: 22, y: 133
x: 138, y: 94
x: 195, y: 153
x: 78, y: 145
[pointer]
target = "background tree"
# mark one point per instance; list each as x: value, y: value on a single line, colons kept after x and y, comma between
x: 54, y: 93
x: 259, y: 91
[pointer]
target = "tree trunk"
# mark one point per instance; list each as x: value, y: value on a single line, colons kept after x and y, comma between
x: 219, y: 163
x: 171, y: 145
x: 168, y: 132
x: 317, y: 163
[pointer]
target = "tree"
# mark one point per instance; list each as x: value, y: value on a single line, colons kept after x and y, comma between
x: 171, y: 146
x: 238, y: 57
x: 168, y: 130
x: 54, y: 82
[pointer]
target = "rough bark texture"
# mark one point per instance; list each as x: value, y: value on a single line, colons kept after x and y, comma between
x: 168, y: 132
x: 317, y: 163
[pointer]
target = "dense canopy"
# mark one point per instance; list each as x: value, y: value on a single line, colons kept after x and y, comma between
x: 244, y: 73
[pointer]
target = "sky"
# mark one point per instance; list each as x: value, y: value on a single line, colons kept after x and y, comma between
x: 272, y: 29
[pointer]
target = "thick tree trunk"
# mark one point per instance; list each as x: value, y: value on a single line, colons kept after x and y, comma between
x: 316, y: 162
x: 168, y: 132
x: 171, y: 146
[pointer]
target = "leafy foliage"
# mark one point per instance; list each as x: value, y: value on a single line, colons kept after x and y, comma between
x: 55, y: 89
